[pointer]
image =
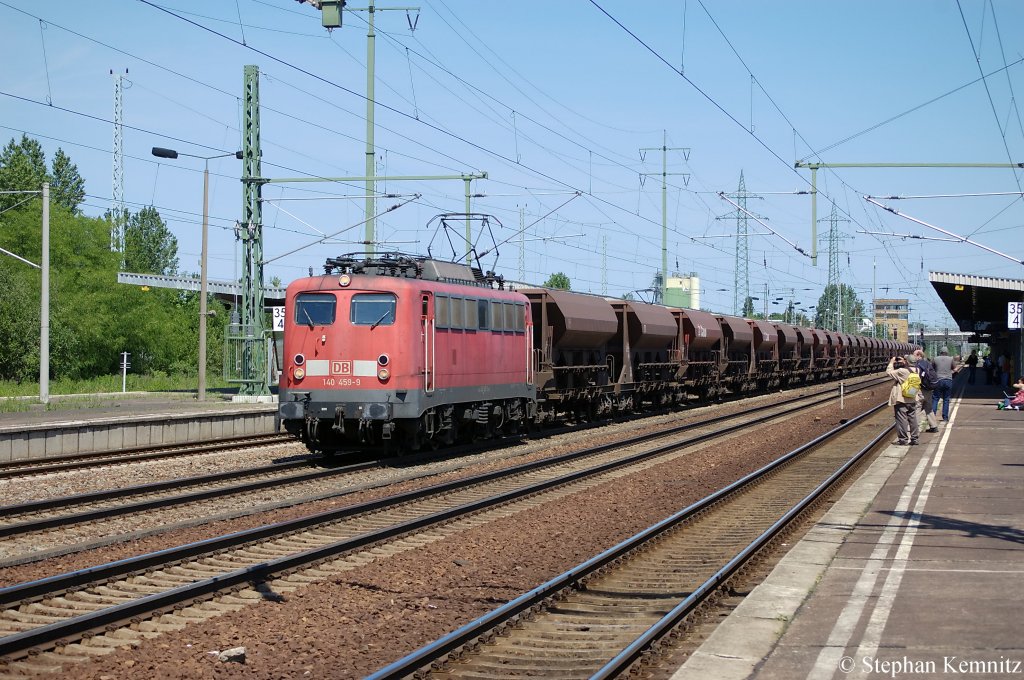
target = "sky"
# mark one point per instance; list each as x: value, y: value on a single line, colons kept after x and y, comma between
x: 566, y: 106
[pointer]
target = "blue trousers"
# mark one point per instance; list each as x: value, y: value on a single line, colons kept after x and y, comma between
x: 942, y: 391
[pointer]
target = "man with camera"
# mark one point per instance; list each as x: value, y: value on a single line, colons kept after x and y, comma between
x: 904, y: 406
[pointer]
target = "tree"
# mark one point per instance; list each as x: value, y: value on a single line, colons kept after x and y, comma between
x: 68, y: 187
x: 748, y: 308
x: 149, y: 246
x: 19, y: 323
x: 839, y: 309
x: 559, y: 281
x: 92, y: 319
x: 22, y: 168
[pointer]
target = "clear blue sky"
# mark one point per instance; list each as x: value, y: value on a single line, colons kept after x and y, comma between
x: 549, y: 98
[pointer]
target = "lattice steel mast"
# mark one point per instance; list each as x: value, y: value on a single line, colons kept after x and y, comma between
x: 117, y: 206
x: 253, y: 325
x: 834, y: 238
x: 741, y: 278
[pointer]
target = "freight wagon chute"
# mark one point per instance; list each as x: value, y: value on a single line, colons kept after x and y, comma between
x: 789, y: 341
x: 701, y: 348
x: 739, y: 343
x: 576, y: 321
x: 642, y: 344
x: 766, y: 339
x: 831, y: 354
x: 702, y: 333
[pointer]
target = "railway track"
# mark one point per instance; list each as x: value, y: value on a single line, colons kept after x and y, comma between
x: 601, y: 618
x: 205, y: 496
x: 41, y: 466
x: 25, y: 518
x: 91, y: 611
x: 53, y: 464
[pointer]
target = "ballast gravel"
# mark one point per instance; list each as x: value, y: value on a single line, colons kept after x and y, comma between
x: 355, y: 623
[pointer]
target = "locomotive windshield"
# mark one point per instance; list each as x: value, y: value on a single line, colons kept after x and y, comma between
x: 373, y: 309
x: 315, y: 309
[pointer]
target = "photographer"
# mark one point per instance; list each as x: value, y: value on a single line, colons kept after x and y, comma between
x: 904, y: 408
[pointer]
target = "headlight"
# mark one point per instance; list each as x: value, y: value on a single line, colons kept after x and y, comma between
x: 298, y: 373
x: 383, y: 374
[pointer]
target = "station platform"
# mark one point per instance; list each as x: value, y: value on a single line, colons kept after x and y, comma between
x: 915, y: 572
x: 110, y: 422
x: 86, y: 407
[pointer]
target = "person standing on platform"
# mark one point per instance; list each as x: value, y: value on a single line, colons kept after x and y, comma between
x: 945, y: 367
x: 929, y: 381
x: 986, y: 366
x: 904, y: 408
x: 972, y: 366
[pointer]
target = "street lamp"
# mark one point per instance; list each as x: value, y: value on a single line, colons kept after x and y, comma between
x: 161, y: 152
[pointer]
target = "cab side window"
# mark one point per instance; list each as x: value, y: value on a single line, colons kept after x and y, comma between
x: 441, y: 310
x: 497, y: 316
x: 458, y: 315
x: 481, y: 307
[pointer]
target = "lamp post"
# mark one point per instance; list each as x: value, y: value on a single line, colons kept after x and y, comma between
x: 160, y: 152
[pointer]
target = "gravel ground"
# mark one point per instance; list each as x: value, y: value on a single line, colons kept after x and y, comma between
x: 149, y: 532
x: 353, y: 624
x: 121, y: 475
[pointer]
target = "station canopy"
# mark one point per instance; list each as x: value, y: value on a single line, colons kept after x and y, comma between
x: 978, y: 304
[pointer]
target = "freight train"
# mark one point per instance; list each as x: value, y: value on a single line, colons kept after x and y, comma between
x: 412, y: 351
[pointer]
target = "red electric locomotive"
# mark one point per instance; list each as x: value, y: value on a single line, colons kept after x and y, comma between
x: 404, y: 348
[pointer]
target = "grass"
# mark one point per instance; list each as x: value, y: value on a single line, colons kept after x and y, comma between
x: 16, y: 397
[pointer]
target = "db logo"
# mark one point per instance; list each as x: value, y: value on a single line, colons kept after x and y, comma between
x: 341, y: 368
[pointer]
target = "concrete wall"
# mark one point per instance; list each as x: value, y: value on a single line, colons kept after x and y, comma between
x: 49, y: 440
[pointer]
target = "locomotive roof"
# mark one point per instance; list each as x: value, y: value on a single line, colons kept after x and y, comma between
x: 413, y: 267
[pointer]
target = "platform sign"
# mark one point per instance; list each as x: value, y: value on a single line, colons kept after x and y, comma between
x: 1015, y: 315
x: 278, y: 316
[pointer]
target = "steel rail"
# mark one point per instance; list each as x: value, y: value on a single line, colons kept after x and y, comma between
x: 26, y: 527
x: 483, y: 626
x: 631, y: 654
x: 159, y: 503
x: 76, y: 579
x: 21, y: 643
x: 28, y: 466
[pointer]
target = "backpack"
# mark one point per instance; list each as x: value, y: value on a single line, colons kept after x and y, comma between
x: 929, y: 378
x: 911, y: 386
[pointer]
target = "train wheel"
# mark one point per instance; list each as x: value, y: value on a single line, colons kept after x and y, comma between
x: 414, y: 438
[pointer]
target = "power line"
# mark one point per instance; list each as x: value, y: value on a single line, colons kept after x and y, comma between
x: 988, y: 92
x: 480, y: 147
